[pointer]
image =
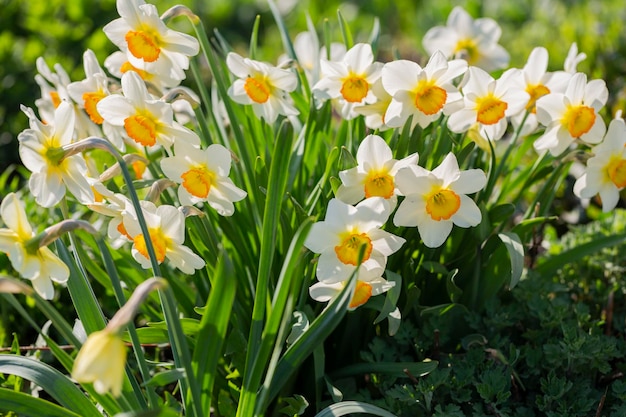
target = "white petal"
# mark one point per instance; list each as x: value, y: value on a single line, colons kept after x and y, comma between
x: 434, y: 233
x: 468, y: 214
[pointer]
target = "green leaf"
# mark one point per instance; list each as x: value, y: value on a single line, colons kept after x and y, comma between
x: 28, y: 406
x: 166, y: 377
x: 57, y: 385
x: 162, y: 412
x: 398, y: 369
x: 348, y: 407
x: 516, y: 253
x: 345, y: 30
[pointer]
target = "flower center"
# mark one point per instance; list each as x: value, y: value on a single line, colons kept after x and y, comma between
x: 122, y: 229
x: 578, y: 120
x: 257, y: 89
x: 348, y: 251
x: 56, y: 99
x: 141, y: 129
x: 90, y: 100
x: 467, y: 50
x: 362, y: 293
x: 379, y: 184
x: 617, y: 172
x: 429, y: 99
x: 127, y: 66
x: 143, y: 44
x: 159, y: 241
x: 139, y: 167
x: 197, y: 181
x: 535, y: 91
x: 354, y: 88
x: 442, y: 203
x: 489, y: 110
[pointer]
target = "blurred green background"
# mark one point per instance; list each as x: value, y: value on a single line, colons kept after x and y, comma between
x: 61, y: 30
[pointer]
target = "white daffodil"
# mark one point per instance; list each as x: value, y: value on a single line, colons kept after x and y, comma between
x: 263, y: 86
x: 537, y: 82
x: 476, y: 41
x: 375, y: 113
x: 166, y: 225
x: 345, y: 230
x: 573, y: 59
x: 146, y: 120
x: 350, y: 80
x: 149, y: 44
x: 606, y: 169
x: 423, y: 93
x: 363, y: 291
x: 487, y: 104
x: 41, y: 152
x: 572, y: 115
x: 90, y: 91
x: 38, y: 264
x: 203, y: 176
x: 101, y: 361
x: 374, y: 176
x: 117, y: 64
x: 436, y: 200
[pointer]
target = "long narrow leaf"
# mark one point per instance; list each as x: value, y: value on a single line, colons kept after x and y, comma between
x: 350, y: 407
x: 28, y: 406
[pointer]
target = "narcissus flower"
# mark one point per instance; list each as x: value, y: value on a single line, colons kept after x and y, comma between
x: 363, y: 291
x: 101, y: 361
x: 572, y: 115
x: 41, y: 151
x: 436, y: 200
x: 476, y: 41
x: 345, y: 231
x: 38, y: 264
x: 606, y: 169
x: 423, y: 93
x: 350, y: 80
x: 573, y: 58
x: 144, y: 37
x: 203, y: 176
x: 166, y: 225
x: 487, y: 104
x: 263, y: 86
x: 374, y: 176
x: 145, y: 119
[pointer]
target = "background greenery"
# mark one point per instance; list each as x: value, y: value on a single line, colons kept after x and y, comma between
x: 60, y: 31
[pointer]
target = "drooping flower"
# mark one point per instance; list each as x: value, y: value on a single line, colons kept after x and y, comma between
x: 487, y: 104
x: 350, y: 80
x: 149, y: 44
x: 101, y: 361
x: 41, y: 151
x: 263, y: 86
x: 606, y: 169
x: 436, y: 200
x: 345, y: 231
x: 203, y: 176
x: 423, y: 93
x: 572, y: 115
x: 374, y: 176
x: 166, y: 226
x: 363, y: 291
x: 476, y: 41
x: 537, y: 82
x: 38, y: 264
x: 145, y: 119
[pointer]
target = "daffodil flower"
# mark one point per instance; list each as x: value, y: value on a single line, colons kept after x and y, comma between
x: 41, y: 151
x: 350, y: 80
x: 148, y: 42
x: 374, y: 175
x: 375, y: 113
x: 166, y: 226
x: 537, y: 82
x: 117, y: 64
x: 203, y: 176
x: 487, y: 104
x: 606, y: 169
x: 363, y: 291
x: 436, y: 200
x: 572, y: 115
x: 101, y: 361
x: 476, y: 41
x: 145, y: 119
x: 573, y: 58
x: 345, y: 231
x: 423, y: 93
x: 38, y: 264
x: 263, y: 86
